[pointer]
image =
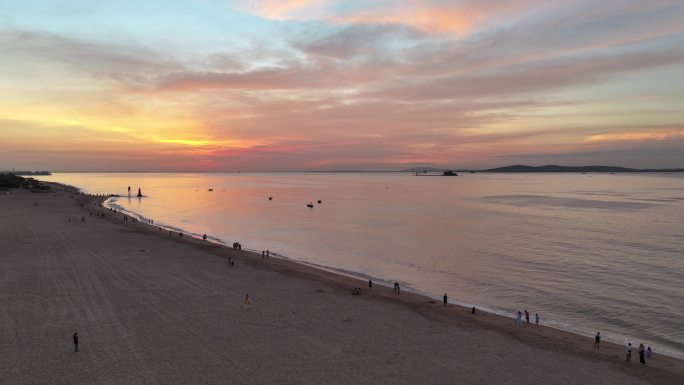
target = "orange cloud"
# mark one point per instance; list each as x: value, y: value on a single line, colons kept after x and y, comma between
x: 424, y: 18
x: 636, y: 136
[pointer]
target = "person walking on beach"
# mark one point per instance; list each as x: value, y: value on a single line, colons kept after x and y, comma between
x: 75, y: 342
x: 396, y: 288
x: 642, y: 352
x: 527, y: 317
x: 597, y: 340
x: 648, y: 352
x: 370, y: 283
x: 518, y: 319
x: 536, y: 318
x: 628, y: 352
x: 445, y: 299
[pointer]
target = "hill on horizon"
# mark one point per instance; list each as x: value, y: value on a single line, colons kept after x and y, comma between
x: 555, y: 168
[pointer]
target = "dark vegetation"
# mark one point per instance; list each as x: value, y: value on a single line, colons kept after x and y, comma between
x: 10, y: 180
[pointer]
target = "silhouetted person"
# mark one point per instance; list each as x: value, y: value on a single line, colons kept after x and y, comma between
x: 597, y: 340
x: 370, y: 283
x: 628, y: 352
x: 527, y: 317
x: 204, y: 237
x: 518, y: 319
x: 648, y: 352
x: 642, y: 352
x: 75, y: 342
x: 473, y: 310
x: 396, y: 288
x: 445, y: 299
x: 536, y: 319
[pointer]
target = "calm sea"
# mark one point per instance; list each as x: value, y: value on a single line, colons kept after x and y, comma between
x: 588, y: 252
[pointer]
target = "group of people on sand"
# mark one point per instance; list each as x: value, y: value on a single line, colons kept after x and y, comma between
x: 265, y: 253
x: 644, y: 353
x: 519, y: 321
x: 82, y: 219
x: 237, y: 246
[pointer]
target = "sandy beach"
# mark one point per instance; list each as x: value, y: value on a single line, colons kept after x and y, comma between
x: 154, y: 308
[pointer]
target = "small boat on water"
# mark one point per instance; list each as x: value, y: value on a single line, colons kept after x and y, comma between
x: 211, y: 189
x: 310, y: 205
x: 320, y: 201
x: 270, y: 198
x: 449, y: 173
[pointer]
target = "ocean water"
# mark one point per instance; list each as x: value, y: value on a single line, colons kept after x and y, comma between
x: 588, y: 252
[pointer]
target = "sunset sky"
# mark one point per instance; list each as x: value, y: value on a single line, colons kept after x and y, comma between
x: 280, y: 85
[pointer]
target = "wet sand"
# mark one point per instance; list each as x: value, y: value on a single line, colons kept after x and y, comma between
x: 154, y: 308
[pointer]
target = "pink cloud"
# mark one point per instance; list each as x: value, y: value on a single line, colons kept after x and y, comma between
x: 284, y: 9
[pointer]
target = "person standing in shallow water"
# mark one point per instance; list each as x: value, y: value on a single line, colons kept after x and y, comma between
x: 536, y: 318
x: 445, y: 299
x: 396, y: 288
x: 642, y: 351
x: 597, y: 340
x: 628, y: 352
x: 518, y: 319
x: 75, y: 342
x: 527, y: 317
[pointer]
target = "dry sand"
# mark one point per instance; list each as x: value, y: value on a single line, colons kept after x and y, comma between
x: 157, y: 309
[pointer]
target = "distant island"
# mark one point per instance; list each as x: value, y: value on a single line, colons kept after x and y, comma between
x: 554, y: 168
x: 26, y: 172
x: 518, y: 168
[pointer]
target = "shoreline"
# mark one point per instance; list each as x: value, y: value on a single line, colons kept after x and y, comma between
x: 362, y: 280
x: 496, y: 329
x: 415, y: 297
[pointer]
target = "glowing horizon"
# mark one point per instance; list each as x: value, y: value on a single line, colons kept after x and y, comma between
x: 220, y: 85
